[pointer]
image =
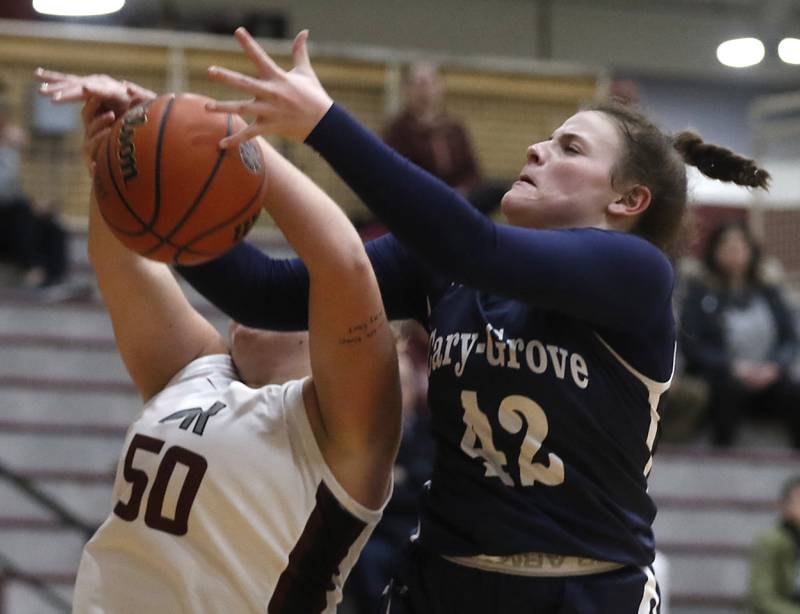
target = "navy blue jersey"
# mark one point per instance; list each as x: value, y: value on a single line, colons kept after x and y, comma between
x: 544, y: 434
x: 550, y: 352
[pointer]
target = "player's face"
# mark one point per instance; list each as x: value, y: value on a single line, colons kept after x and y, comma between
x: 423, y: 88
x: 566, y: 182
x: 733, y: 253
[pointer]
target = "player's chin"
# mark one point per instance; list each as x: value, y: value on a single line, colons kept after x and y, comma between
x: 515, y: 208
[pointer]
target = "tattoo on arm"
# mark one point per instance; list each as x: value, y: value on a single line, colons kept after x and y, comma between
x: 364, y: 330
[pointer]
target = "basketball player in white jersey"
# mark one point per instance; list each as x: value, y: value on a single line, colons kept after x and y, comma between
x: 232, y: 495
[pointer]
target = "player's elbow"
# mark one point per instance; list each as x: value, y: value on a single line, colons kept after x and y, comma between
x: 345, y: 265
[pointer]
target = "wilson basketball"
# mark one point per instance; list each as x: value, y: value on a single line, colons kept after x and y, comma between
x: 167, y: 190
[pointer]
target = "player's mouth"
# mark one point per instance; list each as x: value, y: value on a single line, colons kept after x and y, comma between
x: 523, y: 178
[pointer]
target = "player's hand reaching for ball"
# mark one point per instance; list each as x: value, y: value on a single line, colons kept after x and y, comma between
x: 97, y: 125
x: 104, y: 97
x: 116, y: 96
x: 285, y: 103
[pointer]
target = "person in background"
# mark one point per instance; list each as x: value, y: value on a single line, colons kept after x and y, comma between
x: 774, y: 569
x: 425, y: 133
x: 31, y: 237
x: 433, y: 139
x: 737, y: 333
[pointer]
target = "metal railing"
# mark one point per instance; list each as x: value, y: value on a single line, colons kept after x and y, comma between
x: 66, y: 518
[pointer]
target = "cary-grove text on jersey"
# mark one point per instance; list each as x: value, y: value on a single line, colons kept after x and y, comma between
x: 457, y: 348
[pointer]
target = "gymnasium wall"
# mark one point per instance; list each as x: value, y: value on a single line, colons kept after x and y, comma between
x: 505, y: 105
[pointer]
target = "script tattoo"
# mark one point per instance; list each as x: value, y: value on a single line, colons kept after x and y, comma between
x: 364, y: 330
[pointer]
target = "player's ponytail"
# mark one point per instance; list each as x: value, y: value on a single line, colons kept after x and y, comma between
x: 718, y: 162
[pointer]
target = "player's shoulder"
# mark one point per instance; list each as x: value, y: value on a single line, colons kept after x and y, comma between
x: 628, y: 254
x: 627, y: 241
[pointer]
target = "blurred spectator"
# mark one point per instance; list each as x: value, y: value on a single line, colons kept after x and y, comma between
x: 438, y: 142
x: 686, y: 406
x: 625, y: 91
x: 412, y: 469
x: 737, y: 333
x: 428, y: 136
x: 31, y: 237
x: 687, y: 402
x: 774, y: 569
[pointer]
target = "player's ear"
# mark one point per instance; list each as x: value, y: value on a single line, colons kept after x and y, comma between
x: 633, y: 202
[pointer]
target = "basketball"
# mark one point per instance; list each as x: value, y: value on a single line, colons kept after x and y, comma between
x: 167, y: 190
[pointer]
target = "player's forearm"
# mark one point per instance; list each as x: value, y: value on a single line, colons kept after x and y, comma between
x: 113, y: 263
x: 156, y: 330
x: 312, y: 223
x: 350, y: 339
x: 442, y: 228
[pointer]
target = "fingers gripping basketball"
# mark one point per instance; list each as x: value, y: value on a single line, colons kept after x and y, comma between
x: 167, y: 190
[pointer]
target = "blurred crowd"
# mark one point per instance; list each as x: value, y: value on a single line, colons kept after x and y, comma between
x: 33, y: 240
x: 738, y: 344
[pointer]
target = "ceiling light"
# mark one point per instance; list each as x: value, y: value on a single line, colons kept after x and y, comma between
x: 789, y: 50
x: 77, y: 8
x: 741, y: 52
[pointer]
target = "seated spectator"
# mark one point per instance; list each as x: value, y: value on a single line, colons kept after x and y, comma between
x: 31, y: 237
x: 737, y: 333
x: 774, y: 569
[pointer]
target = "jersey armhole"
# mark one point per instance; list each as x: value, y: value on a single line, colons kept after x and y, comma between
x: 297, y: 418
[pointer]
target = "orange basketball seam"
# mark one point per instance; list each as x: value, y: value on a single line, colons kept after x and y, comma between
x: 162, y: 126
x: 186, y: 247
x: 166, y: 239
x: 130, y: 233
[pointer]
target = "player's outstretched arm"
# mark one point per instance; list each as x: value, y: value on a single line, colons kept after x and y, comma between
x: 353, y: 356
x: 565, y: 271
x: 157, y: 331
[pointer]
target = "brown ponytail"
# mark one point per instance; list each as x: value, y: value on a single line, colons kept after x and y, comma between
x: 719, y: 163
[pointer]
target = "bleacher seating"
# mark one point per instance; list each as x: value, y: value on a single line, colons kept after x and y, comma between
x: 66, y: 402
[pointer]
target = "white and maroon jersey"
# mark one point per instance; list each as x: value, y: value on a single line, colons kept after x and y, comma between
x: 223, y: 503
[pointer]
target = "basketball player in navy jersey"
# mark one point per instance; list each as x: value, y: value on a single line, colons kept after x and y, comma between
x: 233, y: 495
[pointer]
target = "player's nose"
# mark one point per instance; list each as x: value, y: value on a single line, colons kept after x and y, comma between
x: 535, y: 153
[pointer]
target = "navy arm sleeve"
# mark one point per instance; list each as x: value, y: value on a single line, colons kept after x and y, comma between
x: 612, y: 279
x: 265, y: 292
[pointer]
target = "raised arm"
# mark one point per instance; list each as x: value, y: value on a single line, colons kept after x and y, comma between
x: 157, y: 331
x: 606, y: 278
x: 353, y: 356
x: 245, y: 283
x: 272, y: 293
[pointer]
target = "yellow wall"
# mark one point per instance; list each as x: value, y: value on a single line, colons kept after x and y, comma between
x: 504, y: 112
